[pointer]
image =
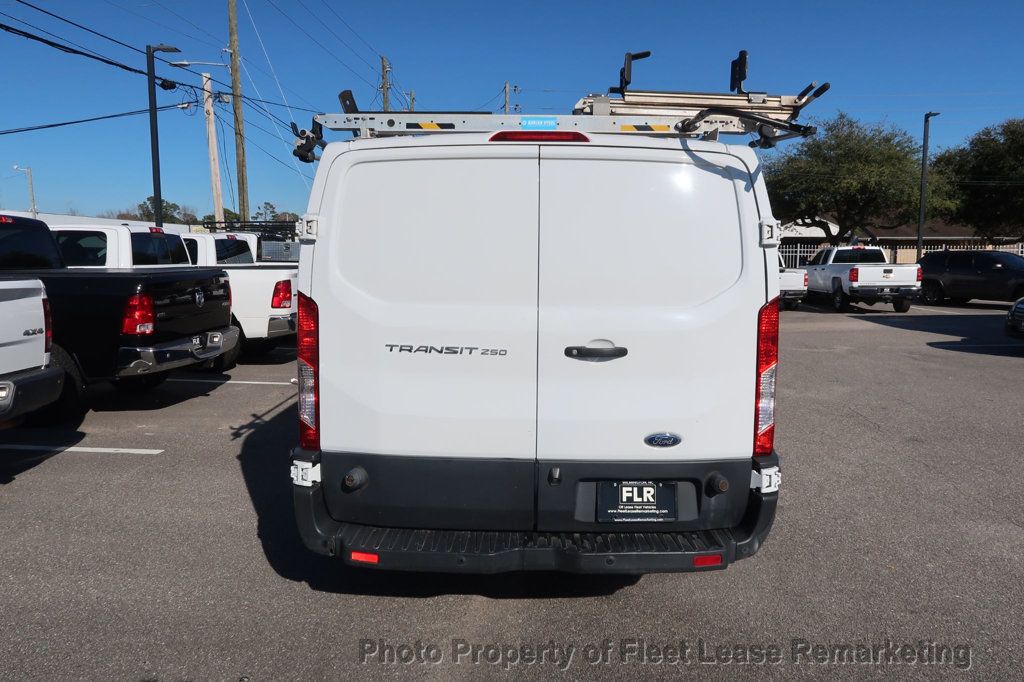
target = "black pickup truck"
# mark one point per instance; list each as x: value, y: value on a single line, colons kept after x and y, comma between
x: 125, y: 326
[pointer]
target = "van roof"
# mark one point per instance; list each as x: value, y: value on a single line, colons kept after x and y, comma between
x: 743, y: 152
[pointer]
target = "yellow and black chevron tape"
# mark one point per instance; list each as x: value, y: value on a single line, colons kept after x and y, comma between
x: 626, y: 128
x: 429, y: 126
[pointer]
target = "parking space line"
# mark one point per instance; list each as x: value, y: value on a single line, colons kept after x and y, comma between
x: 76, y: 448
x: 933, y: 309
x: 232, y: 381
x: 976, y: 345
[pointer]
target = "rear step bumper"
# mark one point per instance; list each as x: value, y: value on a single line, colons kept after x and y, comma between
x: 484, y: 551
x: 136, y: 360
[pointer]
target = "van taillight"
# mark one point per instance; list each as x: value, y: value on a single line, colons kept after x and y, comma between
x: 854, y: 275
x: 282, y: 294
x: 806, y: 280
x: 308, y: 342
x: 138, y: 315
x: 47, y: 324
x: 539, y: 136
x: 920, y: 275
x: 767, y: 368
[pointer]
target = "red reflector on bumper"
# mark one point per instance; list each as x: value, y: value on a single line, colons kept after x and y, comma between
x: 707, y: 560
x: 369, y: 558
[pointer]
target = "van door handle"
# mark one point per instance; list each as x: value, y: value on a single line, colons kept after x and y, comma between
x: 595, y: 354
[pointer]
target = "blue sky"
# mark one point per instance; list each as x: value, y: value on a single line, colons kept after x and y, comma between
x: 888, y: 61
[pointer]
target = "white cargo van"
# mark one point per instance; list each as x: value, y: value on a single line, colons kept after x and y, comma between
x: 552, y: 348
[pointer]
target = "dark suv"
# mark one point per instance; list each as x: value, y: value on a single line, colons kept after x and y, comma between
x: 963, y: 275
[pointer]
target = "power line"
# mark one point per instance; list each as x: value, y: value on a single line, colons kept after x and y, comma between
x: 189, y: 22
x: 340, y: 39
x: 44, y: 126
x: 161, y: 25
x: 374, y: 50
x: 112, y: 62
x: 262, y: 149
x: 322, y: 46
x: 52, y: 35
x: 224, y: 161
x: 69, y: 49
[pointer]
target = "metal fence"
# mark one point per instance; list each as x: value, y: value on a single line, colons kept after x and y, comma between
x: 798, y: 254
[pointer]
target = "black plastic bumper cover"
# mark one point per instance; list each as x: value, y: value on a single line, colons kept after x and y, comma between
x: 28, y: 391
x: 482, y: 551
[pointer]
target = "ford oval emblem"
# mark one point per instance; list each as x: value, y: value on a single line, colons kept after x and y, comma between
x: 663, y: 440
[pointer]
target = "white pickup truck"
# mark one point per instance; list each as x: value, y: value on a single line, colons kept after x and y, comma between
x: 263, y: 305
x: 862, y: 274
x: 27, y: 382
x: 792, y: 285
x: 119, y: 246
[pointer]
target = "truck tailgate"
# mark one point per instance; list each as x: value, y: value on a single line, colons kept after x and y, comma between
x: 21, y: 334
x: 887, y: 275
x: 188, y: 301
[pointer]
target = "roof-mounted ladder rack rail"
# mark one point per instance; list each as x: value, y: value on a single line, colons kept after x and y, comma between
x: 673, y: 114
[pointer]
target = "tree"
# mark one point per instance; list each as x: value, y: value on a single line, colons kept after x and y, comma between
x: 266, y: 211
x: 985, y: 179
x: 287, y: 216
x: 229, y: 216
x: 858, y: 175
x: 147, y: 210
x: 187, y: 215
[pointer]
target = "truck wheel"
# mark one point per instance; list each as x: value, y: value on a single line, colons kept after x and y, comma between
x: 141, y: 383
x: 840, y: 301
x: 901, y: 305
x: 931, y: 293
x: 70, y: 404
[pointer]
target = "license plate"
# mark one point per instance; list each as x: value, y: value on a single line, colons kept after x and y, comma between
x: 636, y: 501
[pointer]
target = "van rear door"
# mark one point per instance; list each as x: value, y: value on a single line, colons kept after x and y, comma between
x: 651, y: 278
x: 426, y: 280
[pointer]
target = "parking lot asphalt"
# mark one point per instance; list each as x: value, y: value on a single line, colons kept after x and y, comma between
x: 155, y: 539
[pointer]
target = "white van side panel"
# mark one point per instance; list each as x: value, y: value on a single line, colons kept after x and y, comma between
x: 655, y: 251
x: 425, y: 275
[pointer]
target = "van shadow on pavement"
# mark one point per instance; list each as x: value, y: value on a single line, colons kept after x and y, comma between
x: 981, y: 334
x: 265, y: 469
x: 14, y: 461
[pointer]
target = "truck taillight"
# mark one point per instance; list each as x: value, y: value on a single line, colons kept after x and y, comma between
x: 139, y: 315
x: 854, y: 275
x: 308, y: 343
x: 282, y: 294
x: 767, y: 368
x: 806, y: 279
x: 920, y: 275
x: 47, y: 324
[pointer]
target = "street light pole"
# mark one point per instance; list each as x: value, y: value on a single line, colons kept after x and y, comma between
x: 27, y: 170
x: 924, y: 184
x: 154, y: 137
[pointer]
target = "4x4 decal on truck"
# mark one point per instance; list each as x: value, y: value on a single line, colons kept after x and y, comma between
x: 445, y: 350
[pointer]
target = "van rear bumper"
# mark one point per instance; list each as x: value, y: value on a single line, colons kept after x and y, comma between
x: 604, y: 548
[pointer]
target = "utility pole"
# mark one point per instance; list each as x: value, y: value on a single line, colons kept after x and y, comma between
x: 236, y: 105
x: 211, y: 145
x: 385, y: 82
x: 27, y: 170
x: 412, y: 100
x: 924, y: 184
x: 154, y: 136
x: 506, y: 97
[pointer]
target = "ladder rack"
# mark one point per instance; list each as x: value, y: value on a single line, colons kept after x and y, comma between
x: 672, y: 114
